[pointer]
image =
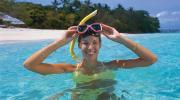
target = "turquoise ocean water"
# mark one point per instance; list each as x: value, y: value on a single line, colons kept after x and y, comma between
x: 158, y: 81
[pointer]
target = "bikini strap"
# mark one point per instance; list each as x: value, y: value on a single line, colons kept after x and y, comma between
x: 103, y: 65
x: 78, y: 66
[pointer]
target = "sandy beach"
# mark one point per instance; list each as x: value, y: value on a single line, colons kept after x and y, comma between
x: 8, y: 34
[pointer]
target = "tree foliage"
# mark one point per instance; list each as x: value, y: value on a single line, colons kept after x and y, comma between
x: 62, y: 14
x: 1, y: 21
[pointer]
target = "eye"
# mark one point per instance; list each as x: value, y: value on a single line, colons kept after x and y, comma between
x: 85, y: 43
x: 94, y: 42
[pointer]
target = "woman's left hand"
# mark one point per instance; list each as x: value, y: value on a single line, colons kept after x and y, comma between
x: 111, y: 33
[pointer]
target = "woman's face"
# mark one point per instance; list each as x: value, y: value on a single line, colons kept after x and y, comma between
x: 90, y: 46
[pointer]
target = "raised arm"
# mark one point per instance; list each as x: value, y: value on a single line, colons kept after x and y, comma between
x: 34, y: 62
x: 145, y: 56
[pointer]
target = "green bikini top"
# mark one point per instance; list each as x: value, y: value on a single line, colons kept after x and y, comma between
x: 79, y: 77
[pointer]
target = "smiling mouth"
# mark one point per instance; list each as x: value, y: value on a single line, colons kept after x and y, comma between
x: 91, y: 53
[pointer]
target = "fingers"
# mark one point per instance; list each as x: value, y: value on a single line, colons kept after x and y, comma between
x: 71, y: 31
x: 105, y: 34
x: 107, y: 29
x: 72, y: 28
x: 70, y: 34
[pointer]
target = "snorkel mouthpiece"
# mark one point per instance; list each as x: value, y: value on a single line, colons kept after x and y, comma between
x: 83, y: 21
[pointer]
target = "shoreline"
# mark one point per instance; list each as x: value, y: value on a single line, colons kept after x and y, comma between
x: 20, y: 34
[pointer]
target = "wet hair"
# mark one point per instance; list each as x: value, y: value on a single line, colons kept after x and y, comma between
x: 89, y: 32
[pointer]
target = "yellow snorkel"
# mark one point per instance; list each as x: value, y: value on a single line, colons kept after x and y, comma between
x: 71, y: 49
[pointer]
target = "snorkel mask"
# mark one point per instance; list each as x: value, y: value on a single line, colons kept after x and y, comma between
x: 81, y: 30
x: 96, y: 27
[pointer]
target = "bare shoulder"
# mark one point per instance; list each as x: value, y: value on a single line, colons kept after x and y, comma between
x: 108, y: 64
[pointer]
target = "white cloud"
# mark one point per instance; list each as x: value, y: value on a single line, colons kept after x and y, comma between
x: 169, y: 19
x: 163, y: 13
x: 176, y: 13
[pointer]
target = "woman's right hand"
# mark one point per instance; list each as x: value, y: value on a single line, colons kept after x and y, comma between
x: 111, y: 33
x: 70, y: 34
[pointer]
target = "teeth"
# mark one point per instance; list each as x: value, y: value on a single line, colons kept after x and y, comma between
x: 91, y: 53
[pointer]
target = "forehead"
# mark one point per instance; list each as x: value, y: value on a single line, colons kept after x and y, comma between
x: 90, y: 38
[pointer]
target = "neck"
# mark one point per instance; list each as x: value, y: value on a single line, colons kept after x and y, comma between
x: 88, y: 63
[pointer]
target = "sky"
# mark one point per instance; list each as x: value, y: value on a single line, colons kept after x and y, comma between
x: 168, y: 11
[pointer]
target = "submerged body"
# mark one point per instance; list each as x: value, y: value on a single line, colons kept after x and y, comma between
x: 97, y: 85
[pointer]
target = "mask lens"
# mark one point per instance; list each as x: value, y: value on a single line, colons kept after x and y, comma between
x: 96, y: 27
x: 82, y: 28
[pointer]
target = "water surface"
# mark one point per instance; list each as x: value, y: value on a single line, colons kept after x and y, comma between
x: 158, y: 81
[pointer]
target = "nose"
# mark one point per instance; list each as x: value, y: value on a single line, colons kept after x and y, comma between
x: 91, y: 46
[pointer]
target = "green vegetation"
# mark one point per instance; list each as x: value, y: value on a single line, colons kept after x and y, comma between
x: 64, y: 13
x: 1, y: 21
x: 6, y: 23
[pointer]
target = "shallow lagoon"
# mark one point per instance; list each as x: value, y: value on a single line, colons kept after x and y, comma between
x: 158, y: 81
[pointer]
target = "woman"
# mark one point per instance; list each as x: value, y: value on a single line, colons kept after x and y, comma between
x: 93, y: 74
